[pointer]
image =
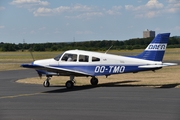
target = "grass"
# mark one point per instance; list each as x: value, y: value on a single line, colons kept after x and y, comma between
x: 26, y: 56
x: 171, y: 54
x: 9, y: 66
x: 13, y: 60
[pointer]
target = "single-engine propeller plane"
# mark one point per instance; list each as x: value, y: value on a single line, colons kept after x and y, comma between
x: 76, y: 63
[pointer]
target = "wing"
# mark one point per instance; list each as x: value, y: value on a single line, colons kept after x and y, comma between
x: 157, y: 66
x: 57, y: 70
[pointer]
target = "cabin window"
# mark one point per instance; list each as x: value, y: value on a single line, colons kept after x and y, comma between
x: 69, y: 57
x: 83, y: 58
x: 95, y: 59
x: 58, y: 57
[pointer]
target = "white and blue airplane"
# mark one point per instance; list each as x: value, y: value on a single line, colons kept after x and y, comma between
x: 76, y: 63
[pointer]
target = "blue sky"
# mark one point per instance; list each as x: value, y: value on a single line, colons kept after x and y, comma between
x: 41, y: 21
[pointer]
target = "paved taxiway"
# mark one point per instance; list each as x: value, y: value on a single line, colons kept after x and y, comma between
x: 105, y: 102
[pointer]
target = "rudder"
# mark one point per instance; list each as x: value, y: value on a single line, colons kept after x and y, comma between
x: 156, y: 49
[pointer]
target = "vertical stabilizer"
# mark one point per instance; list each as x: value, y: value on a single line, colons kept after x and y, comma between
x: 156, y: 49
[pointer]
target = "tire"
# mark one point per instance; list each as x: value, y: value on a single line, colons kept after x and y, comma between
x: 94, y: 81
x: 69, y: 84
x: 46, y: 83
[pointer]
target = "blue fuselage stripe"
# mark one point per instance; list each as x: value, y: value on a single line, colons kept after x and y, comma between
x: 97, y: 70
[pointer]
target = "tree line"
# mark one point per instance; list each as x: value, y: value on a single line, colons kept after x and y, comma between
x: 99, y: 45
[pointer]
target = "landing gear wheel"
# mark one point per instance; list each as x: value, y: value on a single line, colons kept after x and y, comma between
x: 94, y: 81
x: 69, y: 84
x: 46, y: 83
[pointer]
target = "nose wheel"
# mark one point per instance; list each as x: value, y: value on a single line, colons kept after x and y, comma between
x: 46, y: 82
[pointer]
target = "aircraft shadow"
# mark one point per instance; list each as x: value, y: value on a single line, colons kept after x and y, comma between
x: 169, y: 85
x: 85, y: 87
x: 111, y: 84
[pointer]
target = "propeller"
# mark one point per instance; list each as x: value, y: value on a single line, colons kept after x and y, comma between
x: 30, y: 50
x: 39, y: 73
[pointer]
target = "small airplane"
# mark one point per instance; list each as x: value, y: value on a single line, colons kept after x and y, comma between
x: 74, y: 63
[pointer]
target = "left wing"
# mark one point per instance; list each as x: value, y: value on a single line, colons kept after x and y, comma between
x: 58, y: 70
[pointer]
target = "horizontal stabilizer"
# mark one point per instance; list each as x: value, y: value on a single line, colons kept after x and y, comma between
x: 157, y: 66
x: 169, y: 64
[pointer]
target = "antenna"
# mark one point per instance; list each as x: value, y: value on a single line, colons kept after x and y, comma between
x: 74, y: 39
x: 23, y: 41
x: 108, y: 49
x: 30, y: 50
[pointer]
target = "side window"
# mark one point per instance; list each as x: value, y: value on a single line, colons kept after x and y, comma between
x: 83, y: 58
x: 95, y: 59
x: 69, y: 57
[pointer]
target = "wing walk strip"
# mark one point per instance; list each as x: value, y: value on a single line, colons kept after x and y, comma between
x: 21, y: 95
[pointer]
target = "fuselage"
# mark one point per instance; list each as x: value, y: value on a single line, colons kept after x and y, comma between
x: 95, y: 63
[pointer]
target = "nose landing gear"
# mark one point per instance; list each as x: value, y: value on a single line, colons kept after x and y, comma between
x: 46, y: 82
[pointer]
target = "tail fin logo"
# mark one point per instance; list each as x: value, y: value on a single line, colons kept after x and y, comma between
x: 156, y: 47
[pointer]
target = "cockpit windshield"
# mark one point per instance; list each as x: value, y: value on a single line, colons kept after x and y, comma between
x: 58, y: 57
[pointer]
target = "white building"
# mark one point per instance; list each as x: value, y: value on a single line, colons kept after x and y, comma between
x: 148, y: 33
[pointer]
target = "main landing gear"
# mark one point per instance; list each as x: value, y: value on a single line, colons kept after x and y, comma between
x: 70, y: 83
x: 94, y: 81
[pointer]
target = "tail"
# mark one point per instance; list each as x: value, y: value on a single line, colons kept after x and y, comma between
x: 156, y: 49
